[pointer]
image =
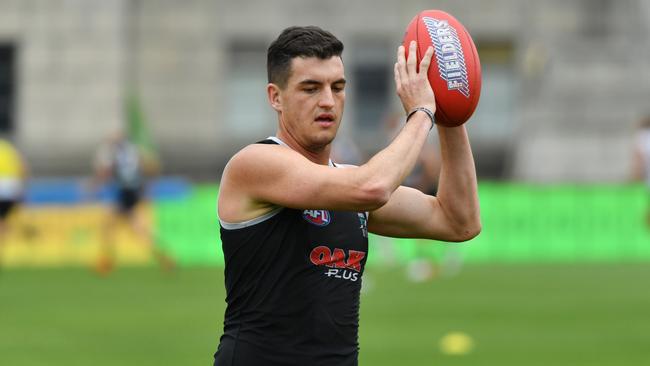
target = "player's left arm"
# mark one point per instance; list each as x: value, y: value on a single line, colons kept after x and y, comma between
x: 453, y: 215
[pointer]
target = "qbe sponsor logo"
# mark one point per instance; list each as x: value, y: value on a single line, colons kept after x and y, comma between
x: 363, y: 221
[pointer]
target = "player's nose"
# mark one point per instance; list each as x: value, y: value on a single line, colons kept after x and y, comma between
x: 326, y: 99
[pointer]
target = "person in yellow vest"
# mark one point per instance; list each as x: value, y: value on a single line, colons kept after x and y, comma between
x: 13, y: 173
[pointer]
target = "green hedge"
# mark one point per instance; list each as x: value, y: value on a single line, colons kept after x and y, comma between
x: 521, y: 223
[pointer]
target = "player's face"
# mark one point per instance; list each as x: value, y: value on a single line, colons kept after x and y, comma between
x: 312, y: 101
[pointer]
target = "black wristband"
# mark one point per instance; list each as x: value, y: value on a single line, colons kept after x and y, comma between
x: 425, y: 110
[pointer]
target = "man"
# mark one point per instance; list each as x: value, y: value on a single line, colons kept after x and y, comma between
x: 294, y: 225
x: 121, y: 161
x: 13, y: 174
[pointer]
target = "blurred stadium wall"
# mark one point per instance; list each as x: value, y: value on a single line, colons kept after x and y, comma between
x: 564, y: 81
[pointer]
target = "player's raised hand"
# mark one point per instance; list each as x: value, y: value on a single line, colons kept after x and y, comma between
x: 412, y: 83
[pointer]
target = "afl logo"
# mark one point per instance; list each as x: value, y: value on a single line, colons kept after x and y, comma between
x: 317, y: 217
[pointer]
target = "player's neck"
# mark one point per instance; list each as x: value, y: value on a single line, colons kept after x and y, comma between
x: 320, y: 155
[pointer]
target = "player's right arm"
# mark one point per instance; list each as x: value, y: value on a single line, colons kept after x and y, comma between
x: 262, y: 176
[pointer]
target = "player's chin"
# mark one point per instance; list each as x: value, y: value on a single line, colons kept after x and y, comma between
x: 324, y: 137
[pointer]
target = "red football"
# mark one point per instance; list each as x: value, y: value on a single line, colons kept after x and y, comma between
x: 455, y: 71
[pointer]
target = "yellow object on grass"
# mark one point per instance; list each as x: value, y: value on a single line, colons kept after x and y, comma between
x: 456, y: 343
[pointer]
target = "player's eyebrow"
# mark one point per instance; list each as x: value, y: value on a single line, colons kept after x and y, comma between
x: 316, y: 82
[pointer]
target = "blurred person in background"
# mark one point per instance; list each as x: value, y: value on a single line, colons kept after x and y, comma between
x: 641, y: 161
x: 121, y: 162
x: 294, y: 225
x: 13, y: 175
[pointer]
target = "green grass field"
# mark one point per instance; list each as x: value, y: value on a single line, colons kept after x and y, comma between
x: 586, y: 314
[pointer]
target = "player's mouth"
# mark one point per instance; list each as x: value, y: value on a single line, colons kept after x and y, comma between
x: 325, y: 119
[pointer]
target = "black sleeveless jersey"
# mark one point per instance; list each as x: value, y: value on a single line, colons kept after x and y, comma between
x: 293, y: 279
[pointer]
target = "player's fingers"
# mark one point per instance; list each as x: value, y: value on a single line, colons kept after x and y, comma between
x: 398, y: 81
x: 426, y: 61
x: 401, y: 61
x: 411, y: 62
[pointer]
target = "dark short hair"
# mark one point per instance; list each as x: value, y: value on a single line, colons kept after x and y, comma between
x: 309, y: 41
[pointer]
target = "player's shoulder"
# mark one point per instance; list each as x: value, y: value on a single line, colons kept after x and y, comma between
x: 258, y: 157
x: 260, y: 152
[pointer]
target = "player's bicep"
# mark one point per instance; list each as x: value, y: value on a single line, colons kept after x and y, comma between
x: 279, y: 176
x: 410, y: 213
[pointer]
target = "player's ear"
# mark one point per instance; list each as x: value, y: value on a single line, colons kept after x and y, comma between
x: 273, y: 93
